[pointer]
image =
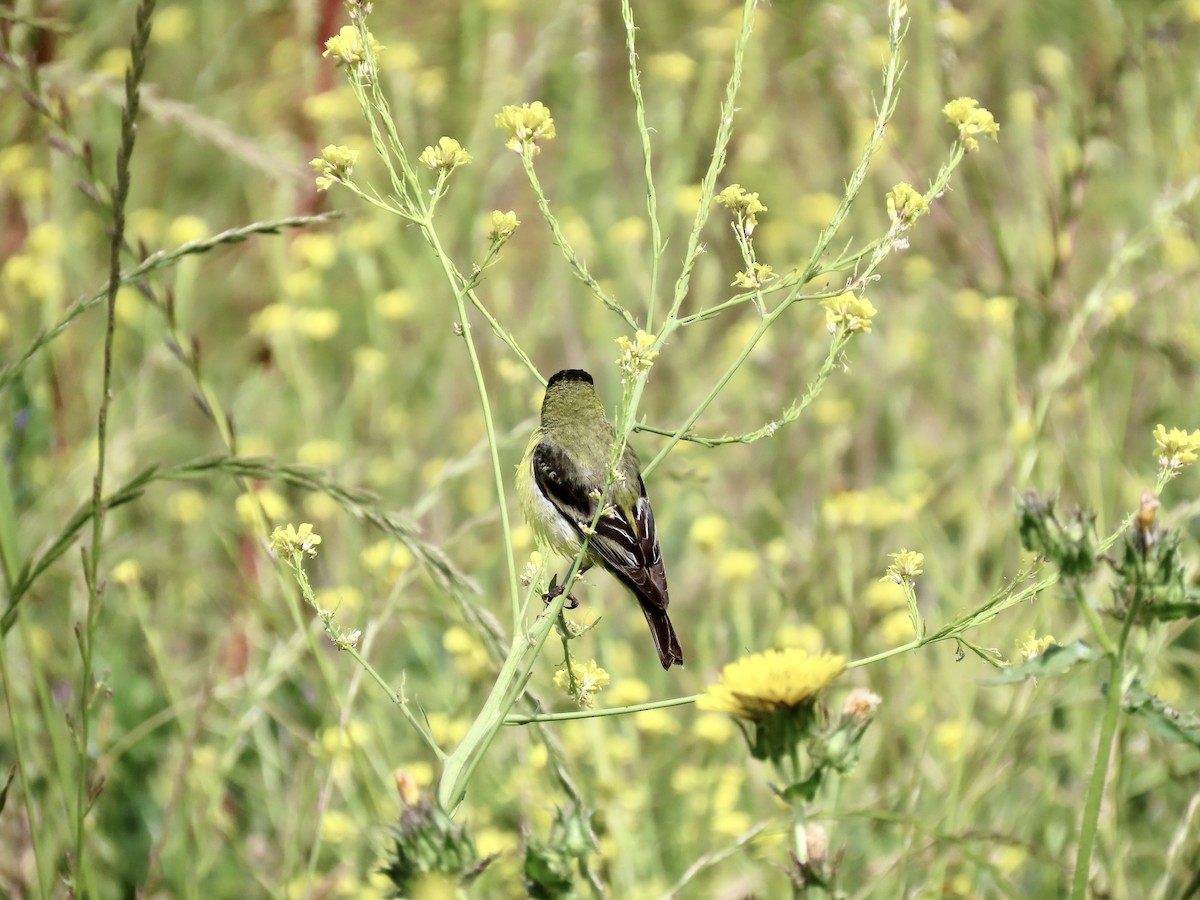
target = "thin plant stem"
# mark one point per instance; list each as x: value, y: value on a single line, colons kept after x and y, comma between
x: 635, y: 85
x: 529, y: 718
x: 1108, y: 730
x: 86, y: 790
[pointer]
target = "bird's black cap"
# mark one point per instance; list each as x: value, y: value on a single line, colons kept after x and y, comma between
x: 569, y: 375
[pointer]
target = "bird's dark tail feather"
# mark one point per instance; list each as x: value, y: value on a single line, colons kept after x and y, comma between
x: 665, y: 641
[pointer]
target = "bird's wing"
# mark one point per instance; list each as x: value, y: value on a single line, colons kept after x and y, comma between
x: 628, y: 548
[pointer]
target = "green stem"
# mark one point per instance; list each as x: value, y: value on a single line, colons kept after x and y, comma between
x: 895, y: 651
x: 460, y: 765
x: 635, y: 85
x: 18, y: 741
x: 1108, y: 730
x: 529, y: 718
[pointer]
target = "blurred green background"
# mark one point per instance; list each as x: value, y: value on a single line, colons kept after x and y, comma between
x: 1042, y: 321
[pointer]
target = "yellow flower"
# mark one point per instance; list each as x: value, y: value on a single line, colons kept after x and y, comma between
x: 1030, y: 645
x: 675, y: 68
x: 759, y: 685
x: 288, y: 540
x: 848, y: 312
x: 971, y: 120
x: 446, y: 156
x: 737, y: 566
x: 526, y: 125
x: 581, y: 682
x: 346, y: 47
x: 746, y: 206
x: 906, y: 566
x: 335, y: 164
x: 905, y: 204
x: 636, y: 355
x: 503, y: 225
x: 394, y: 305
x: 186, y: 506
x: 1176, y: 448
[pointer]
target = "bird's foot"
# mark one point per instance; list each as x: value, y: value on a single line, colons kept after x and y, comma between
x: 556, y: 589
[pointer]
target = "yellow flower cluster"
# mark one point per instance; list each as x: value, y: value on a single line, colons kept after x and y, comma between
x: 848, y: 312
x: 755, y: 277
x: 1030, y: 645
x: 1176, y: 447
x: 287, y: 540
x: 335, y: 164
x: 446, y: 156
x: 526, y: 125
x: 503, y: 226
x: 971, y: 120
x: 346, y: 47
x: 906, y: 565
x: 905, y: 204
x: 636, y: 355
x: 759, y: 685
x: 745, y: 205
x: 582, y: 682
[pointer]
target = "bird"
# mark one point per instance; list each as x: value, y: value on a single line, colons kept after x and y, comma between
x: 559, y: 482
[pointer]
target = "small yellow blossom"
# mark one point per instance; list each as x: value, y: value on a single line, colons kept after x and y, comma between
x: 636, y: 355
x: 346, y: 47
x: 906, y: 566
x: 713, y: 728
x: 754, y: 277
x: 335, y: 164
x: 848, y: 312
x: 745, y: 206
x: 337, y: 827
x: 971, y: 120
x: 526, y: 125
x: 582, y: 682
x: 1176, y: 448
x: 905, y: 204
x: 503, y: 225
x: 762, y: 683
x: 289, y: 540
x: 446, y: 156
x: 1030, y: 645
x: 273, y: 505
x: 387, y: 558
x: 318, y: 250
x: 737, y: 566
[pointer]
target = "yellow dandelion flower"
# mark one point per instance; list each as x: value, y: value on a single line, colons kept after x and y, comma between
x: 763, y: 683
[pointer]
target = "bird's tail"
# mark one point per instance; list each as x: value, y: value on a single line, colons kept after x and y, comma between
x: 665, y: 641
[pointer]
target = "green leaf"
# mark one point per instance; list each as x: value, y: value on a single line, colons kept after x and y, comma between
x: 1165, y: 721
x: 1054, y: 661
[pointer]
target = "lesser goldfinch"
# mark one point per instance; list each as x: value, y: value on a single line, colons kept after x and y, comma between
x: 560, y: 480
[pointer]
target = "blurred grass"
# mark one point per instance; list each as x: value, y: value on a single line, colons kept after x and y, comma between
x: 229, y: 745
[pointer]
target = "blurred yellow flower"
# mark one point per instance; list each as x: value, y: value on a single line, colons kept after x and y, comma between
x: 386, y: 558
x: 321, y: 452
x: 337, y: 827
x: 628, y: 692
x: 319, y: 324
x: 708, y: 532
x: 803, y: 637
x: 630, y: 231
x: 341, y: 598
x: 318, y: 250
x: 1030, y: 645
x: 817, y: 210
x: 394, y: 305
x: 184, y: 229
x: 172, y: 25
x: 186, y: 506
x: 656, y: 722
x: 673, y: 67
x: 713, y: 728
x: 127, y: 572
x: 275, y: 507
x: 737, y: 566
